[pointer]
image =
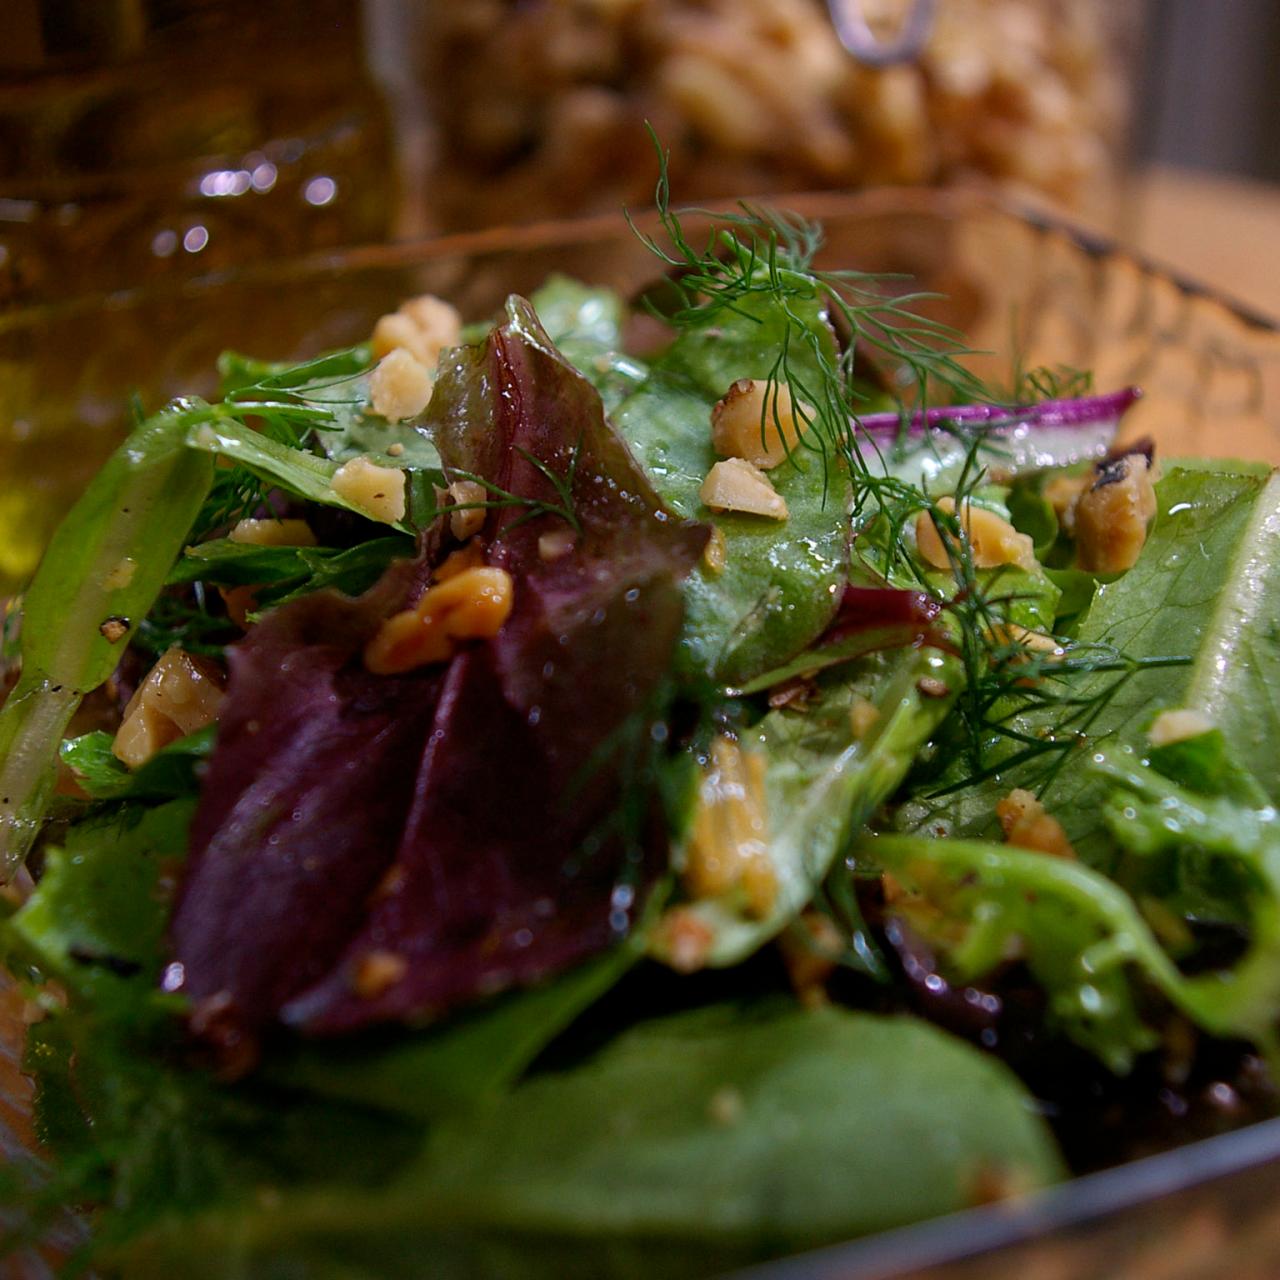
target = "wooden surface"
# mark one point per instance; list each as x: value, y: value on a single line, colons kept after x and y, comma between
x: 1222, y: 231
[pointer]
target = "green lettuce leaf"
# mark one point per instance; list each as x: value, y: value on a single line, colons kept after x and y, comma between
x: 107, y: 560
x: 1081, y: 932
x: 1206, y: 587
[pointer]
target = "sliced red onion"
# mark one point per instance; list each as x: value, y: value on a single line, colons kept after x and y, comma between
x: 1053, y: 433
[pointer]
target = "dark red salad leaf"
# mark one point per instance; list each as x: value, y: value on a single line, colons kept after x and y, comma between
x: 372, y: 848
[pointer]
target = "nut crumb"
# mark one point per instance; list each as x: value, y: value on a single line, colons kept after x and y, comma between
x: 1027, y: 826
x: 1177, y: 726
x: 724, y: 1107
x: 377, y: 971
x: 114, y: 629
x: 863, y: 715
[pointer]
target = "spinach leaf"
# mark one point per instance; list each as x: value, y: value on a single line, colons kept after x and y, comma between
x: 107, y: 560
x: 781, y: 583
x: 822, y: 782
x: 585, y: 323
x: 688, y: 1145
x: 433, y: 1074
x: 571, y: 311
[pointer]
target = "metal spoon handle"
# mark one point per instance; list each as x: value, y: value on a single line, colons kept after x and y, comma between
x: 856, y: 36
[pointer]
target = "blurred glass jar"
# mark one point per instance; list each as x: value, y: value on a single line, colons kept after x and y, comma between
x: 150, y: 138
x: 539, y: 105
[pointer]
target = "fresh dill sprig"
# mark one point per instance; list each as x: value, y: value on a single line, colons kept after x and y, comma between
x: 759, y: 253
x: 562, y: 484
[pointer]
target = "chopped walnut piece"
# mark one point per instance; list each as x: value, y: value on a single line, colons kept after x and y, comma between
x: 556, y: 544
x: 1177, y: 726
x: 932, y: 687
x: 377, y: 491
x: 114, y: 629
x: 992, y: 540
x: 471, y: 604
x: 756, y: 420
x: 1062, y: 492
x: 715, y: 555
x: 376, y: 971
x: 466, y: 520
x: 273, y: 533
x: 180, y: 694
x: 422, y: 326
x: 737, y: 485
x: 728, y: 849
x: 1112, y: 515
x: 400, y: 387
x: 1026, y: 824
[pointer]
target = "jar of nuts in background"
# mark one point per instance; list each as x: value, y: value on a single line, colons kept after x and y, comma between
x: 538, y: 107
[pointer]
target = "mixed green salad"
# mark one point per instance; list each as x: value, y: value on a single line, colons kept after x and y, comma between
x: 493, y: 801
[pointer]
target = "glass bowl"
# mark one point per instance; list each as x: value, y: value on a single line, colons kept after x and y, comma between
x: 1014, y: 282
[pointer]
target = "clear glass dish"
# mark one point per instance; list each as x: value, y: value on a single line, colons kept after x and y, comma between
x: 1013, y: 282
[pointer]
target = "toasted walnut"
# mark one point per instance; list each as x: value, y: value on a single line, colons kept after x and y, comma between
x: 1027, y: 825
x: 471, y: 604
x: 422, y: 326
x: 863, y: 716
x: 1112, y: 516
x: 715, y: 555
x: 437, y: 321
x: 400, y: 387
x: 738, y: 485
x: 555, y: 544
x: 376, y: 971
x: 377, y: 491
x: 683, y: 940
x: 469, y: 557
x: 728, y: 846
x: 113, y: 629
x: 756, y: 420
x: 1062, y: 492
x: 180, y: 694
x: 811, y: 949
x: 397, y: 333
x: 273, y: 533
x: 1177, y: 726
x: 121, y: 575
x: 468, y: 521
x: 992, y: 540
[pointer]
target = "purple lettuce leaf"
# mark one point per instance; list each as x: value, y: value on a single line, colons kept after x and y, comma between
x: 389, y: 848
